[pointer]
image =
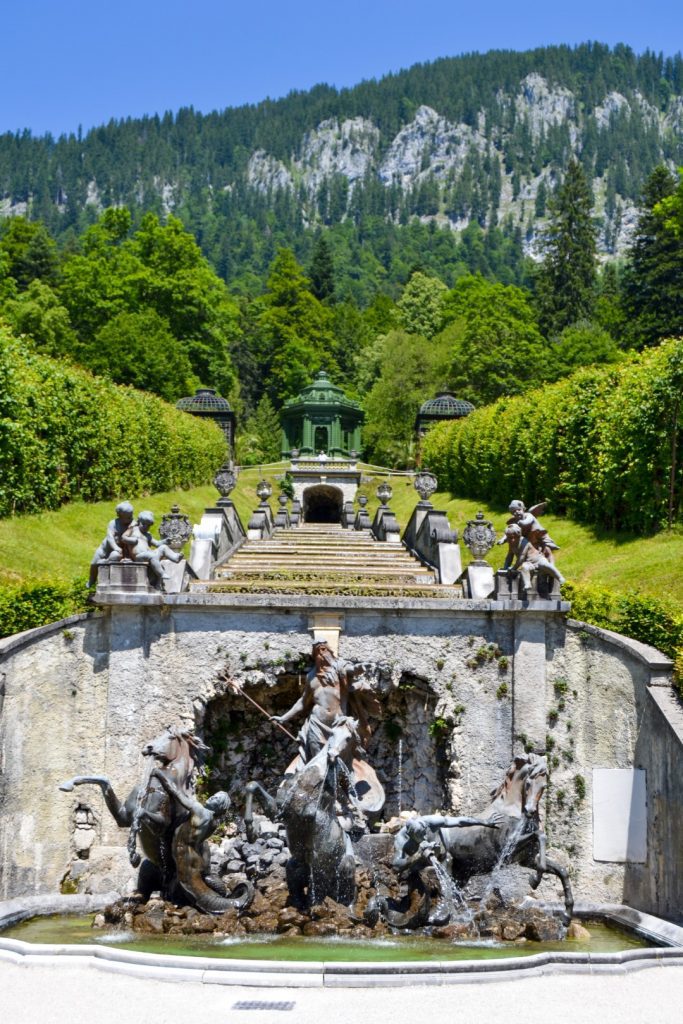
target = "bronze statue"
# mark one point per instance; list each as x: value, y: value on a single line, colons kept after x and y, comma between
x: 510, y: 823
x: 155, y: 811
x: 190, y: 851
x: 328, y: 789
x: 321, y: 859
x: 334, y: 698
x: 111, y: 548
x: 420, y: 838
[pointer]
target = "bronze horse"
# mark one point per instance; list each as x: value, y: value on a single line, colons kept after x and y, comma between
x: 149, y: 810
x: 321, y: 860
x: 516, y: 839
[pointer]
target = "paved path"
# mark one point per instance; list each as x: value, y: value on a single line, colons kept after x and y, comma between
x: 81, y: 995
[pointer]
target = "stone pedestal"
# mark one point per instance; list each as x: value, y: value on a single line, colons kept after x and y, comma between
x: 480, y: 583
x: 123, y: 577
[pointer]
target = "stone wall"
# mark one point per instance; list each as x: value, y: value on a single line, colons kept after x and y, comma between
x: 463, y: 684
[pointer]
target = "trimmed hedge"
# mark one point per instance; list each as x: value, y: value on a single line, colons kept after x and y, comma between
x: 65, y: 434
x: 36, y: 604
x: 604, y: 445
x: 640, y: 617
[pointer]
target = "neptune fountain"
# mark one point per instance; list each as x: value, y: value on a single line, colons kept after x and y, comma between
x: 340, y: 869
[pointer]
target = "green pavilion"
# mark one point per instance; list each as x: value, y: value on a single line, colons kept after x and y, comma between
x: 321, y: 419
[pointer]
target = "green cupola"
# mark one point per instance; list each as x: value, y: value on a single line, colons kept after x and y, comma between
x: 321, y: 419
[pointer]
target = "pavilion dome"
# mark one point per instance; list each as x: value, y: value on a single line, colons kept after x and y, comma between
x: 322, y: 392
x: 446, y: 407
x: 204, y: 400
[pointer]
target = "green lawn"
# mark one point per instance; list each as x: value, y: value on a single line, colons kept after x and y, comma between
x: 61, y: 544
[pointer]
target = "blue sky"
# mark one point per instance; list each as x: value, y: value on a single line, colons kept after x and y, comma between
x: 84, y: 61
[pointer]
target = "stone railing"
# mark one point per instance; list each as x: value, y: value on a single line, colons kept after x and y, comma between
x: 215, y: 538
x: 385, y: 526
x: 324, y: 466
x: 430, y: 538
x: 261, y: 524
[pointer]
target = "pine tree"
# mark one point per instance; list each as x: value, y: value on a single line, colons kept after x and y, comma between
x: 321, y: 272
x: 653, y: 280
x: 566, y: 279
x: 259, y: 442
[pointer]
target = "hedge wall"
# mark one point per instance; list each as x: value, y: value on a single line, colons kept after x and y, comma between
x: 66, y: 434
x: 604, y: 445
x: 35, y: 604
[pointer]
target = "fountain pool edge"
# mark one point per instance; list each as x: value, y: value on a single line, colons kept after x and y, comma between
x: 298, y: 974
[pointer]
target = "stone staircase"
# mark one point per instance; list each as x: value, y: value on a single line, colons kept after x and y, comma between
x: 325, y: 559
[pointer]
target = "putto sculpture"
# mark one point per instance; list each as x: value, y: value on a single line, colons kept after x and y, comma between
x: 111, y: 549
x: 130, y: 539
x: 530, y: 546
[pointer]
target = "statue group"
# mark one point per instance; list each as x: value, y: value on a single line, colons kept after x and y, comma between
x: 530, y: 546
x: 129, y: 538
x: 328, y: 799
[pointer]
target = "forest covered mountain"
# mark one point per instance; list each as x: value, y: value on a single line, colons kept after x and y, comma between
x: 447, y: 166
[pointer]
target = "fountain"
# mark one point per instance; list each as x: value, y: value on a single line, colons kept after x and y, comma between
x: 407, y: 808
x: 342, y: 875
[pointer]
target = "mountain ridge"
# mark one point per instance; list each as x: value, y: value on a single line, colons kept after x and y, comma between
x: 477, y: 139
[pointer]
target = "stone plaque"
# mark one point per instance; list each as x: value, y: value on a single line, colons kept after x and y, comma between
x: 620, y: 815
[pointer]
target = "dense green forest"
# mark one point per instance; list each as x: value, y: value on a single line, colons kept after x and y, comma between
x: 142, y: 306
x: 388, y: 168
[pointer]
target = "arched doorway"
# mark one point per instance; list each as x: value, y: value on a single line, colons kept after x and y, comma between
x: 323, y: 504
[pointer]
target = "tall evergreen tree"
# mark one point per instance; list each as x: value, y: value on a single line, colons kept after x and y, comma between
x: 653, y: 280
x: 567, y: 277
x: 321, y: 272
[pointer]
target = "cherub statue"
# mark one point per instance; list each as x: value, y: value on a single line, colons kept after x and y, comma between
x: 141, y: 546
x: 523, y: 556
x: 530, y: 527
x: 111, y: 548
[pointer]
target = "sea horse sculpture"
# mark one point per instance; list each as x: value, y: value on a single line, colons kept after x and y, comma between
x: 156, y: 813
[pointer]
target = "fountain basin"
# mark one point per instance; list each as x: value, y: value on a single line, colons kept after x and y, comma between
x: 277, y: 962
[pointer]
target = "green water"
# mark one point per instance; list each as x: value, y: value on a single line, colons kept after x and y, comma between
x: 79, y: 930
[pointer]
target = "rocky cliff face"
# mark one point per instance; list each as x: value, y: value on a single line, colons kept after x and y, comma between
x: 431, y: 148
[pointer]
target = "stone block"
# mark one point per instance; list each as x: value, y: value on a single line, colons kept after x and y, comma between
x: 620, y: 815
x: 123, y: 577
x: 480, y: 580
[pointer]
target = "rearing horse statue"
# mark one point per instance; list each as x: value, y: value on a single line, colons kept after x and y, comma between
x: 321, y: 860
x: 515, y: 838
x: 149, y: 810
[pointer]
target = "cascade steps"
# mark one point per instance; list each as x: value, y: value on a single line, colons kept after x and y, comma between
x: 325, y: 559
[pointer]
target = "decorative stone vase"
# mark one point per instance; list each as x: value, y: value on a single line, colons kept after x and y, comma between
x: 225, y: 480
x: 425, y: 484
x: 294, y: 454
x: 175, y: 528
x: 479, y: 536
x: 283, y: 500
x: 384, y: 493
x: 362, y: 500
x: 263, y: 490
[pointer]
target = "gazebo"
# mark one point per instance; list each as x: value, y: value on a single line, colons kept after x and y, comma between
x: 206, y: 404
x: 444, y: 407
x: 321, y: 419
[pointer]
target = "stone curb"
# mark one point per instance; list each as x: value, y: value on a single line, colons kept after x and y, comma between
x: 293, y: 974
